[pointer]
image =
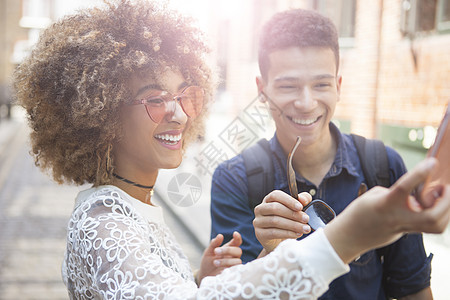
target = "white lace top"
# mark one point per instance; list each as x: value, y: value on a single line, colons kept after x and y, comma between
x: 120, y: 248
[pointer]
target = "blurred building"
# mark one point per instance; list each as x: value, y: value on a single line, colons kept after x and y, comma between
x: 20, y: 25
x: 10, y: 33
x: 395, y: 59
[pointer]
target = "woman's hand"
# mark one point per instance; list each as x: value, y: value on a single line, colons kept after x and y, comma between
x: 381, y: 216
x: 280, y: 217
x: 216, y: 258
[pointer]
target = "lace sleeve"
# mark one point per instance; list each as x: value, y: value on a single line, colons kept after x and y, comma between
x: 294, y: 270
x: 114, y: 254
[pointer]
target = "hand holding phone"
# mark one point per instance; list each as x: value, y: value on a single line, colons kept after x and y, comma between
x: 432, y: 187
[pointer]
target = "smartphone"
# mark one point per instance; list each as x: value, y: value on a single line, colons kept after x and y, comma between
x: 432, y: 187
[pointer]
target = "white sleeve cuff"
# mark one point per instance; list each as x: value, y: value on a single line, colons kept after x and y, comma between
x: 322, y: 257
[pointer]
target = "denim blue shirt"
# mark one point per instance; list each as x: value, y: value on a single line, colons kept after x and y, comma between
x: 405, y: 269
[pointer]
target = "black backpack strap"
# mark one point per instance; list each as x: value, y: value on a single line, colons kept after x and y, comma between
x: 375, y: 165
x: 259, y: 171
x: 374, y: 161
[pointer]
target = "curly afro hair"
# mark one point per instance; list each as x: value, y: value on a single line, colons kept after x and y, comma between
x: 75, y: 81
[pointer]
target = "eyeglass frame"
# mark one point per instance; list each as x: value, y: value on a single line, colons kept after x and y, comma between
x: 173, y: 98
x: 292, y: 183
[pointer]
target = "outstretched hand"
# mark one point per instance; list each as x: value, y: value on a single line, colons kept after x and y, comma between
x: 381, y: 216
x: 216, y: 258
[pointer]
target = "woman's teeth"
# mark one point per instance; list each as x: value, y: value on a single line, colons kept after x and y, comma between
x: 169, y: 139
x: 303, y: 121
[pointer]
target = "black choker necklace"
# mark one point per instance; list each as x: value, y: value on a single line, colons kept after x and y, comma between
x: 147, y: 187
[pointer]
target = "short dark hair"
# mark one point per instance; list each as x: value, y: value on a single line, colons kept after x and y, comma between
x: 296, y: 28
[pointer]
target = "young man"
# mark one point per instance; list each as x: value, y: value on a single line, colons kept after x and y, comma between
x: 299, y: 62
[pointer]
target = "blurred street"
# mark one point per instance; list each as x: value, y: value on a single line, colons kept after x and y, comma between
x: 35, y: 212
x: 33, y: 218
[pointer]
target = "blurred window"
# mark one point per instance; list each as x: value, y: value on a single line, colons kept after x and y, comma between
x: 341, y: 12
x: 444, y: 15
x: 421, y: 16
x: 36, y: 8
x: 36, y: 14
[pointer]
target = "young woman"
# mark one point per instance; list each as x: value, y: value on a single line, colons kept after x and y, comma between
x: 114, y: 94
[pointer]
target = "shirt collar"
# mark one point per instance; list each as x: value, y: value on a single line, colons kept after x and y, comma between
x: 346, y: 158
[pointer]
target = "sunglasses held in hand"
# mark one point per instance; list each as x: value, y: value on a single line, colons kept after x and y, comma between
x: 160, y: 103
x: 318, y: 211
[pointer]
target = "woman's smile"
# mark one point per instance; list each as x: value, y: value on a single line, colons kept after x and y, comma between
x: 170, y: 139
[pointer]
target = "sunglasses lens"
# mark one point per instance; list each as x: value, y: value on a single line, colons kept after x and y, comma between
x: 192, y: 101
x: 156, y: 113
x: 319, y: 214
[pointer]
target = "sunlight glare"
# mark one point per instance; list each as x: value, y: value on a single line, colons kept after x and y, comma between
x: 203, y: 11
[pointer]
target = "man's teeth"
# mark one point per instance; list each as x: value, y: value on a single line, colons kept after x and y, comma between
x: 169, y: 138
x: 303, y: 121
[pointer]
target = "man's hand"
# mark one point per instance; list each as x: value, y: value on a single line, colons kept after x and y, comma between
x: 280, y: 217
